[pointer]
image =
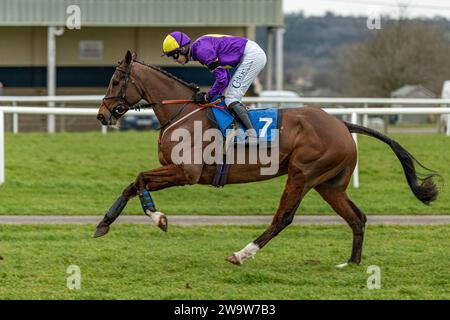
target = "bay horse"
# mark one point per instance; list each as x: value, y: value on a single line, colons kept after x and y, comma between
x: 316, y: 151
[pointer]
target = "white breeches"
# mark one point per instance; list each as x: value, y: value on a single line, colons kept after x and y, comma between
x: 253, y: 62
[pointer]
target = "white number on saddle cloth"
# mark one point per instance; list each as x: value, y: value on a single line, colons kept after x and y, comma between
x: 263, y: 131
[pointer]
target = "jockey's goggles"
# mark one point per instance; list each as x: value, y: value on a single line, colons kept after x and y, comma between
x: 174, y: 54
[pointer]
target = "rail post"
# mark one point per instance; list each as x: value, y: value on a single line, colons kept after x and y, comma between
x: 2, y: 148
x: 354, y: 120
x: 62, y: 120
x: 365, y: 116
x: 15, y: 120
x: 386, y: 123
x: 448, y: 124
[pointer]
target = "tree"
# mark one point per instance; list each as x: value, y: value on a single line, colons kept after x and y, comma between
x: 405, y: 52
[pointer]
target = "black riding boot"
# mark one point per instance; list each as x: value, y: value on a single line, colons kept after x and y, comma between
x: 241, y: 111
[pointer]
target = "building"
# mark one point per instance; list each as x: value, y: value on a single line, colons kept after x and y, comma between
x: 443, y: 123
x: 413, y: 91
x: 42, y: 53
x: 85, y: 58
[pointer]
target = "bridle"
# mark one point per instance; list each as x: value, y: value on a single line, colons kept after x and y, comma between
x: 121, y: 108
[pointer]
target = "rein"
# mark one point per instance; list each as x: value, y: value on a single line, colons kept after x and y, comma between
x: 186, y: 101
x: 201, y: 107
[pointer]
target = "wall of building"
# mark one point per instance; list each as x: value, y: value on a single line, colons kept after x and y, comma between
x: 23, y: 56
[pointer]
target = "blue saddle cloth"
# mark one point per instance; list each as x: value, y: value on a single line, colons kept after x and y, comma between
x: 264, y: 121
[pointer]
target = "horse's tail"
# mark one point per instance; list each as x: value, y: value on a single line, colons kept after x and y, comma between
x: 422, y: 185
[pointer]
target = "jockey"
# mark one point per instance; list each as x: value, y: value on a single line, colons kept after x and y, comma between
x: 221, y: 53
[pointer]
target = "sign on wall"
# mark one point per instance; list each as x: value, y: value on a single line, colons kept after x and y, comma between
x: 91, y: 50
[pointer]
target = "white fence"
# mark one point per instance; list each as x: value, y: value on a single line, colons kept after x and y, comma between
x: 354, y: 112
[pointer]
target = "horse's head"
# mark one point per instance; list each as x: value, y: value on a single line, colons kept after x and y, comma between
x: 122, y: 94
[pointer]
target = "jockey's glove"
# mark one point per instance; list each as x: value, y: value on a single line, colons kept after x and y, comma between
x: 201, y: 98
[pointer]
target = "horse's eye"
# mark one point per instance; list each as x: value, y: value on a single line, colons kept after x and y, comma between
x: 115, y: 82
x: 121, y: 109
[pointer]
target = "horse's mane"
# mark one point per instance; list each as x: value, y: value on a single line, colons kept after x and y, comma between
x: 192, y: 86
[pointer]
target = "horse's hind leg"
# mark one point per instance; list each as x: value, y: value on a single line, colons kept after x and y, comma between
x: 293, y: 193
x: 356, y: 219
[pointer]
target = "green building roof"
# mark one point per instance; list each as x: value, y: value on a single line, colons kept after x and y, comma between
x: 145, y: 13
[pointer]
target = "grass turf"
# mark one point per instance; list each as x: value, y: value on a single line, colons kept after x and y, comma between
x: 141, y: 262
x: 83, y: 173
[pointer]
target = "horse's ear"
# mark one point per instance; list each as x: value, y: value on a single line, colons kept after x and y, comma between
x: 134, y: 55
x: 128, y: 57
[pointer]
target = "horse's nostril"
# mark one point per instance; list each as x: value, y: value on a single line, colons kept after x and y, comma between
x: 100, y: 117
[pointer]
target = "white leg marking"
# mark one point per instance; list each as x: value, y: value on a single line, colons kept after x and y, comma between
x: 155, y: 216
x: 342, y: 265
x: 249, y: 251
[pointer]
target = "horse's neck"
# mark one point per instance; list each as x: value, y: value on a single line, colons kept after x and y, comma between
x: 158, y: 87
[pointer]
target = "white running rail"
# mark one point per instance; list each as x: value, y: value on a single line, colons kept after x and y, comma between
x: 353, y: 112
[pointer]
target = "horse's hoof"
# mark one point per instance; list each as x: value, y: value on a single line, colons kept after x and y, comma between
x: 158, y: 219
x: 233, y: 259
x: 101, y: 231
x: 163, y: 223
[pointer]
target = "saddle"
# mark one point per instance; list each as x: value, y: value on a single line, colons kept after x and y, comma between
x: 265, y: 122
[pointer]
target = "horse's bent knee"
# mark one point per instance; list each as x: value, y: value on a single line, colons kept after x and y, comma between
x: 139, y: 183
x: 130, y: 191
x: 287, y: 220
x: 357, y: 226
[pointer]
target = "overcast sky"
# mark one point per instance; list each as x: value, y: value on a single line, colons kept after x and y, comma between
x: 416, y: 8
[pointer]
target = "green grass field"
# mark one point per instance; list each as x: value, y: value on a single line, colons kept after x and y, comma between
x: 83, y: 173
x: 141, y: 262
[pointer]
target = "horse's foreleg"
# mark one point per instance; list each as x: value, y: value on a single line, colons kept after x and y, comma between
x: 293, y: 193
x: 116, y: 209
x: 152, y: 180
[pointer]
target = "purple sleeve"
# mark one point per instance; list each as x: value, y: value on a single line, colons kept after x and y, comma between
x: 223, y: 77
